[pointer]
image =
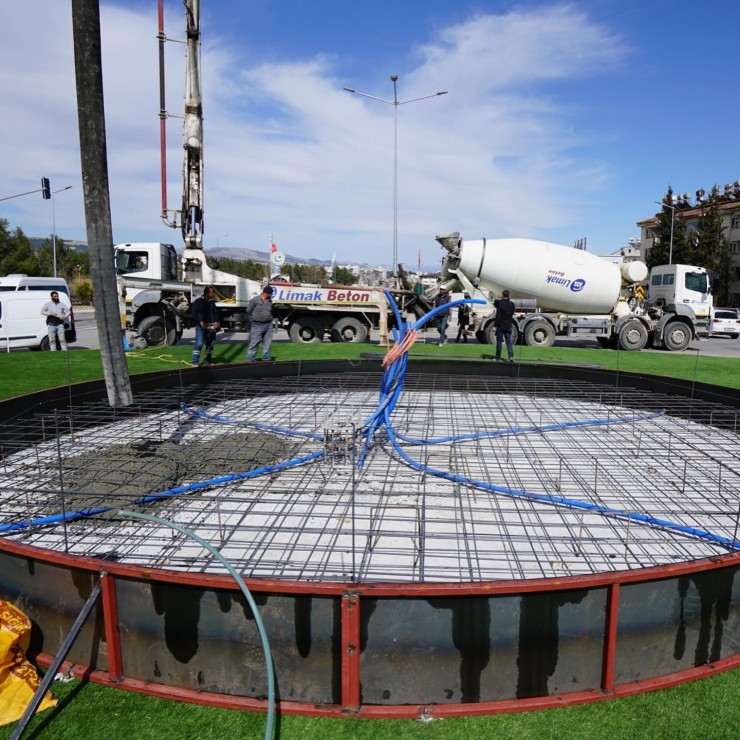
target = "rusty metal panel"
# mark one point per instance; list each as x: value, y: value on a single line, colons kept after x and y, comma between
x: 52, y: 596
x: 207, y: 640
x: 675, y: 624
x: 480, y: 649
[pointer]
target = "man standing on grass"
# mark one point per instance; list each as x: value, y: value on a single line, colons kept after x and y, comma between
x: 260, y: 315
x: 442, y: 299
x: 207, y: 319
x: 503, y: 322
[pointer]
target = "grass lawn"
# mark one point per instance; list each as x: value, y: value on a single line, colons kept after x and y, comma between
x: 24, y: 372
x: 709, y: 708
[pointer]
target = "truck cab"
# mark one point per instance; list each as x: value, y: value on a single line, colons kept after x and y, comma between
x: 152, y: 260
x: 681, y: 284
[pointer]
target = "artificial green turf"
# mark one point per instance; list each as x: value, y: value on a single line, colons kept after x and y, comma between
x: 709, y: 708
x: 24, y: 372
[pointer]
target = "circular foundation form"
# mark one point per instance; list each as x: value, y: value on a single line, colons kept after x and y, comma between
x: 513, y: 537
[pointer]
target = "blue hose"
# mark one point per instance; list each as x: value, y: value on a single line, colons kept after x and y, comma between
x: 560, y: 500
x: 526, y: 430
x: 189, y: 488
x: 264, y: 427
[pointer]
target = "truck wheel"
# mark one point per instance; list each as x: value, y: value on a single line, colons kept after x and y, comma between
x: 539, y: 334
x: 677, y: 336
x: 348, y: 329
x: 633, y: 335
x: 305, y: 331
x: 157, y: 331
x: 490, y: 333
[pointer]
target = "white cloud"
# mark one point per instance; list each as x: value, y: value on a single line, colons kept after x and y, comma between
x: 288, y: 152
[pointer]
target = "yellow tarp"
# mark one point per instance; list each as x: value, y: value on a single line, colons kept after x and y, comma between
x: 18, y: 678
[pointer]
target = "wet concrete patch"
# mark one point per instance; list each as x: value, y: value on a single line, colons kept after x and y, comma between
x: 118, y: 475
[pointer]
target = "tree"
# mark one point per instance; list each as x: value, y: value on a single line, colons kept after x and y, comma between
x: 343, y: 276
x: 306, y: 273
x: 244, y: 268
x: 711, y: 248
x: 661, y: 252
x: 16, y: 252
x: 85, y: 292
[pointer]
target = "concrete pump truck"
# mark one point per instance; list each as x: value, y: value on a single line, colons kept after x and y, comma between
x: 157, y: 286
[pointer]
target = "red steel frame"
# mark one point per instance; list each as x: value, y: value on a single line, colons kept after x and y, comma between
x: 351, y: 596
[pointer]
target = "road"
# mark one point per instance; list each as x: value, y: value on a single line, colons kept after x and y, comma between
x: 87, y: 338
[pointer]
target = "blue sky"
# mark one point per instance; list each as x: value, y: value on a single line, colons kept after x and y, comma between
x: 562, y: 120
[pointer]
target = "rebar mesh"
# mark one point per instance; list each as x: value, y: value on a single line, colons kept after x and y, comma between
x: 332, y: 520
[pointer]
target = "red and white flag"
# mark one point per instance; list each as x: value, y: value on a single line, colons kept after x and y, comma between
x: 274, y: 247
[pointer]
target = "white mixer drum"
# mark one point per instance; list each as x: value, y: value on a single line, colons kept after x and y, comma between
x: 560, y: 278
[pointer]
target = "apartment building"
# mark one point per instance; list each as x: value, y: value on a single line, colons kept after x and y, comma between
x: 729, y: 209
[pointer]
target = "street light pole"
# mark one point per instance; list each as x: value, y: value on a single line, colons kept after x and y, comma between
x: 395, y: 103
x: 673, y: 214
x: 54, y: 228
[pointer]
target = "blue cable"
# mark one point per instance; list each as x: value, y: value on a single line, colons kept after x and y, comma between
x: 560, y: 500
x: 189, y: 488
x: 265, y: 427
x: 526, y: 430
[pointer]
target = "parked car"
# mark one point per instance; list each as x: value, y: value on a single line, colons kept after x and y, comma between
x: 726, y: 321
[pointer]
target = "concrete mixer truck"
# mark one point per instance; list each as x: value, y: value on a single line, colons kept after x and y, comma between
x: 564, y: 291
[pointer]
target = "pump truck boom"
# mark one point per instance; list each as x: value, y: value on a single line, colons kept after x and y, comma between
x: 563, y: 291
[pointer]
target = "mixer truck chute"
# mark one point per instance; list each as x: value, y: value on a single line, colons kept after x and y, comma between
x: 561, y: 291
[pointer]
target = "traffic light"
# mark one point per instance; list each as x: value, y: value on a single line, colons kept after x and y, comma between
x: 45, y: 188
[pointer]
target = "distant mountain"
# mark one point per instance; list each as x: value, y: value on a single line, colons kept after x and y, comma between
x: 241, y: 253
x: 38, y: 241
x: 234, y: 253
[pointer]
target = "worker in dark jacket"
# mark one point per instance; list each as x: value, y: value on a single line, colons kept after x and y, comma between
x: 260, y: 315
x: 207, y: 319
x: 442, y: 299
x: 503, y: 322
x: 463, y: 319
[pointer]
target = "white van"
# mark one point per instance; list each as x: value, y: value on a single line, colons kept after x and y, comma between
x: 21, y: 282
x: 21, y: 324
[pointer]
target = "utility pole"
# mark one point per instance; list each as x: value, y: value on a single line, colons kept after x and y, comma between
x: 94, y: 161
